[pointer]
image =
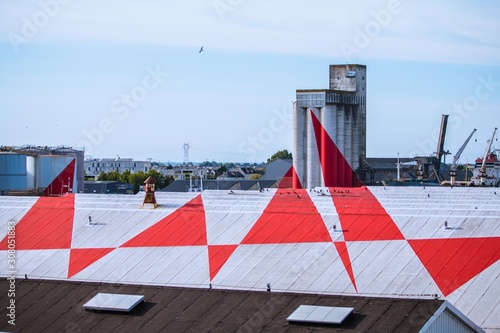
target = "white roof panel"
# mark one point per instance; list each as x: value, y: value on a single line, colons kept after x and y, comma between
x: 478, y: 294
x: 50, y: 264
x: 229, y: 228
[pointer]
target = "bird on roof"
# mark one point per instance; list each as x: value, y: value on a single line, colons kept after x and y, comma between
x: 201, y: 50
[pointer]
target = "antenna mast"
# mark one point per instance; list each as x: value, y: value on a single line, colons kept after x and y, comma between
x: 186, y: 152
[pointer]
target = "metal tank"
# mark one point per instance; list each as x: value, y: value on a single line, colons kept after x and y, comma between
x: 12, y: 172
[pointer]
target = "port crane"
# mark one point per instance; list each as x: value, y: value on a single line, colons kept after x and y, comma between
x: 440, y: 148
x: 482, y: 174
x: 453, y: 168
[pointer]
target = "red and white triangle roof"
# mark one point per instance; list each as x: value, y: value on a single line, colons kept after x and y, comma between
x: 386, y: 242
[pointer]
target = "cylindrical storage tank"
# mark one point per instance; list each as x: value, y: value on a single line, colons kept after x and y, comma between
x: 348, y: 135
x: 340, y: 166
x: 355, y: 139
x: 12, y: 172
x: 298, y: 154
x: 48, y: 167
x: 313, y: 162
x: 80, y: 171
x: 30, y: 172
x: 340, y: 127
x: 325, y: 155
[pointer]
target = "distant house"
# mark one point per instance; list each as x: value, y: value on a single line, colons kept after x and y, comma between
x: 232, y: 175
x: 185, y: 172
x: 239, y: 173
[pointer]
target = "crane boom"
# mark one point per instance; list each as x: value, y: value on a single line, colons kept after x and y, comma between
x: 487, y: 151
x: 440, y: 148
x: 460, y: 151
x: 442, y: 134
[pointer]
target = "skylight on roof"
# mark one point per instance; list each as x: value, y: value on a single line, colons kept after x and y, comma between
x: 113, y: 302
x: 320, y: 314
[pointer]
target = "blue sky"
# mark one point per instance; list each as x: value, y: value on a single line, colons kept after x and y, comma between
x: 67, y: 68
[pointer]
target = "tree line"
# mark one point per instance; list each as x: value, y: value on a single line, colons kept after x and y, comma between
x: 136, y: 178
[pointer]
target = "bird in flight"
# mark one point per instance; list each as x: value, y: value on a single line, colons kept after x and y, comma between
x: 201, y: 50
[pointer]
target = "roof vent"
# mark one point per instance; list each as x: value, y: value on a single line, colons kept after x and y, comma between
x: 320, y: 314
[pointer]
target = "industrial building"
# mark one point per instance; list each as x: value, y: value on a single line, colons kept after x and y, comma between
x: 94, y: 166
x: 370, y: 246
x: 41, y: 170
x: 329, y: 126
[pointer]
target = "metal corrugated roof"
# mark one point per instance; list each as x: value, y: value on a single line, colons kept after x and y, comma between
x: 386, y: 242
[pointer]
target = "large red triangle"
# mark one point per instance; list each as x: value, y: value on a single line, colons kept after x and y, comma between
x: 217, y: 257
x: 346, y: 260
x: 362, y: 216
x: 47, y: 225
x: 184, y: 227
x: 454, y: 261
x: 290, y: 217
x: 290, y: 180
x: 80, y: 259
x: 336, y: 170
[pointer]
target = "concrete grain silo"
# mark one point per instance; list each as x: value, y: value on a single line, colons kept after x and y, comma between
x: 329, y: 130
